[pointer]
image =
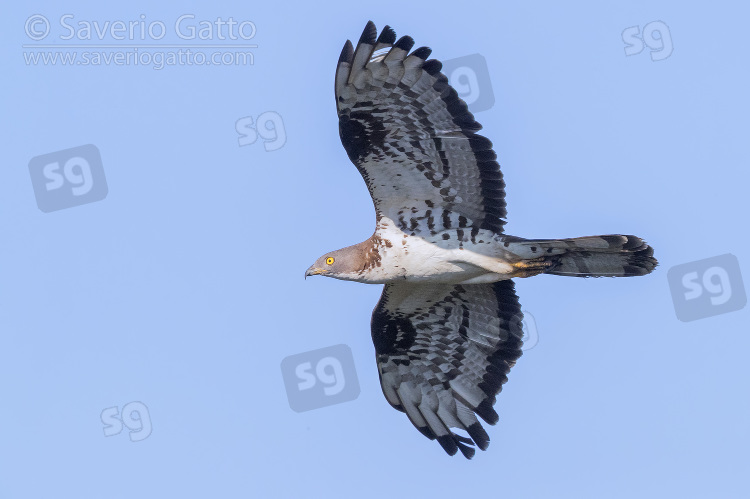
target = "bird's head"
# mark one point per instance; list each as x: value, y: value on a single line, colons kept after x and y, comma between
x: 346, y: 264
x: 330, y: 265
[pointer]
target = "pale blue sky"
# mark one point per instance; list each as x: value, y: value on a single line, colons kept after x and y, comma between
x: 183, y: 289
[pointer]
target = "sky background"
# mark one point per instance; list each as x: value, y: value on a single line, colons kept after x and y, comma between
x: 181, y: 292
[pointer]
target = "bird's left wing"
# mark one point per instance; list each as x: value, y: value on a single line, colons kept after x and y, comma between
x: 443, y: 353
x: 413, y: 139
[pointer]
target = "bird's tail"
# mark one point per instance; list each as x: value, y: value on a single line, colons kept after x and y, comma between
x: 593, y: 256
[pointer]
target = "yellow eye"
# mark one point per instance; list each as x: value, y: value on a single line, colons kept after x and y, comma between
x: 329, y: 260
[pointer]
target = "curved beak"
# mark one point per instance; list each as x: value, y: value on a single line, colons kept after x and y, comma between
x: 314, y: 271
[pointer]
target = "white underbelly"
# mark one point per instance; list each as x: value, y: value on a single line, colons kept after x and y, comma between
x: 413, y: 258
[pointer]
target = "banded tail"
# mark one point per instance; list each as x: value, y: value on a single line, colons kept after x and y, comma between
x: 593, y: 256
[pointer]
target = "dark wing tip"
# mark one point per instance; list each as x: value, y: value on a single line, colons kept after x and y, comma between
x: 479, y: 143
x: 405, y: 43
x: 448, y: 444
x: 426, y: 431
x: 347, y: 53
x: 388, y: 35
x: 467, y: 451
x: 453, y: 443
x: 422, y: 52
x: 369, y: 34
x: 433, y: 67
x: 480, y: 437
x: 486, y: 412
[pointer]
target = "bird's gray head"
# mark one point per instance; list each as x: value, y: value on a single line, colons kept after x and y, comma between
x: 347, y: 264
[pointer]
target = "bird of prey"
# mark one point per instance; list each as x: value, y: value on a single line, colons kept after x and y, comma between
x: 447, y: 328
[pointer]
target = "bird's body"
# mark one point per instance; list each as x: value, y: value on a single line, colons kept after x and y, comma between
x: 449, y: 256
x: 448, y: 326
x: 479, y: 256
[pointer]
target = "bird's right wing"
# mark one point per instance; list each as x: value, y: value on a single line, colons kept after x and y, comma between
x: 443, y: 353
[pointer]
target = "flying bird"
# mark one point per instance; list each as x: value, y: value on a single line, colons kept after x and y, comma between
x: 448, y: 326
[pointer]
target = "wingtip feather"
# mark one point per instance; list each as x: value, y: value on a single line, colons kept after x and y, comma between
x: 405, y: 43
x: 388, y: 35
x: 370, y: 34
x: 422, y: 52
x: 347, y: 53
x: 433, y: 67
x: 448, y: 444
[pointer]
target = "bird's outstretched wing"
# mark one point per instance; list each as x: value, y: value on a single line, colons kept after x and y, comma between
x: 443, y: 353
x: 413, y: 139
